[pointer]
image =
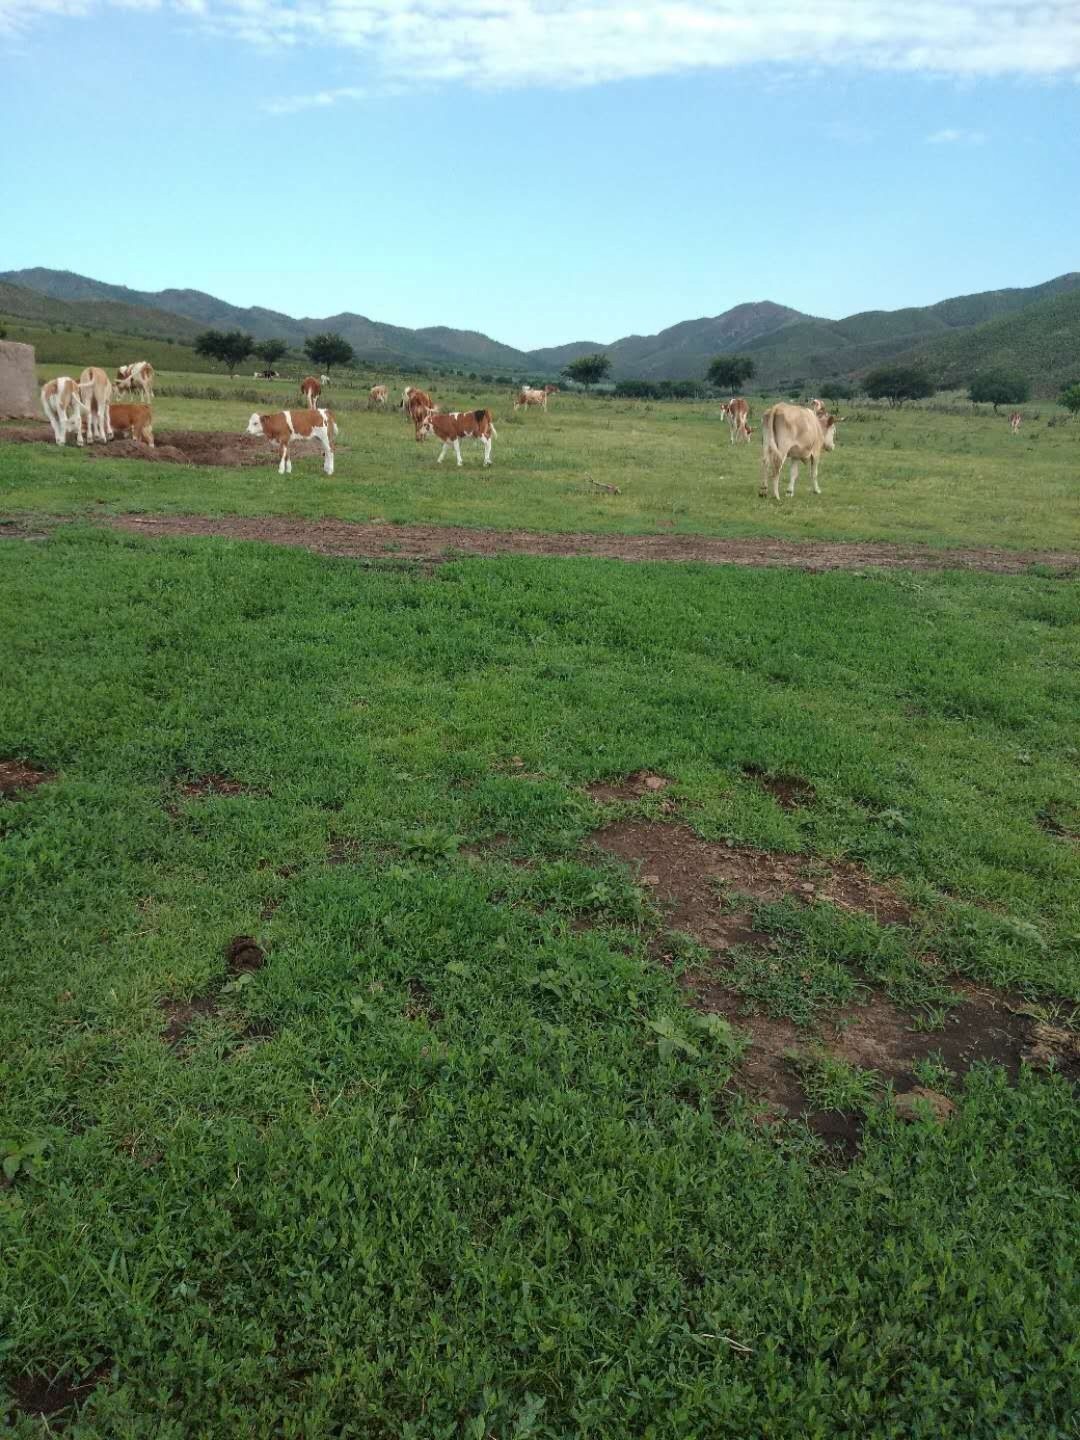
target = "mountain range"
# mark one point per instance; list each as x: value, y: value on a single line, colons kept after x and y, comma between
x: 1035, y: 330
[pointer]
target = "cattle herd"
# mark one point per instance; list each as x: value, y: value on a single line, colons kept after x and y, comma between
x: 790, y: 434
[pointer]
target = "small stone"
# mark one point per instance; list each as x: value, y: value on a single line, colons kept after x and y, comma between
x: 651, y: 879
x: 914, y: 1105
x: 654, y: 782
x: 807, y: 887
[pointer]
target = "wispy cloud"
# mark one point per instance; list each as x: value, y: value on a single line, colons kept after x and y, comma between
x: 515, y: 43
x: 956, y: 137
x: 319, y: 99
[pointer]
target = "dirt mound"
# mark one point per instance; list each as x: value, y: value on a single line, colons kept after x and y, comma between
x: 244, y: 954
x: 43, y: 1395
x: 172, y: 447
x: 16, y: 776
x: 215, y: 785
x: 632, y: 787
x: 26, y: 434
x: 381, y: 540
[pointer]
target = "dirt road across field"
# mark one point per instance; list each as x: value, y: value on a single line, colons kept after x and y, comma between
x: 380, y: 540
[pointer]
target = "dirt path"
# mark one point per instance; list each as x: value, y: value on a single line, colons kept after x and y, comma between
x: 382, y: 541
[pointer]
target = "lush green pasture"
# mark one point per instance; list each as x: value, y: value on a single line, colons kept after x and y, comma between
x: 454, y: 1183
x: 912, y: 475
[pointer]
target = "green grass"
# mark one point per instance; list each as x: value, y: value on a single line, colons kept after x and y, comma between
x: 910, y: 475
x: 481, y: 1179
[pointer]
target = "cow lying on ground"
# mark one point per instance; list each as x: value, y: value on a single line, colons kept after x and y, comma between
x: 459, y: 425
x: 792, y: 433
x: 289, y: 425
x: 528, y: 397
x: 135, y: 420
x: 95, y: 391
x: 140, y: 375
x: 64, y: 408
x: 311, y: 389
x: 737, y: 412
x: 377, y: 397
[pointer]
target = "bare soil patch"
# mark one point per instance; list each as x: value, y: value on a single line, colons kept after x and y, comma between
x: 17, y: 776
x: 431, y: 543
x: 171, y: 447
x: 421, y: 1004
x: 632, y: 787
x: 215, y: 785
x: 41, y: 1396
x: 243, y: 954
x: 791, y: 792
x: 181, y: 1016
x: 1053, y: 826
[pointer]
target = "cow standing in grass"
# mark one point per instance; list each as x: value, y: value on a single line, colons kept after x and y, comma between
x: 453, y: 428
x: 139, y: 375
x: 1015, y: 420
x: 791, y: 433
x: 64, y: 408
x: 310, y: 389
x: 95, y: 391
x: 289, y: 425
x: 737, y: 413
x: 135, y: 420
x: 378, y: 395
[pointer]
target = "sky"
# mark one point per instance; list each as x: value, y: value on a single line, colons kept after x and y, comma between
x: 543, y: 170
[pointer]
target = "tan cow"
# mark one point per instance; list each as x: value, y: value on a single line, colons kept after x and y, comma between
x: 141, y: 374
x: 1015, y: 420
x: 419, y: 406
x: 818, y: 406
x: 457, y: 426
x: 95, y: 391
x: 378, y: 395
x: 407, y: 396
x: 136, y: 420
x: 528, y: 397
x: 289, y: 425
x: 737, y: 412
x: 64, y: 408
x: 310, y: 389
x: 793, y: 433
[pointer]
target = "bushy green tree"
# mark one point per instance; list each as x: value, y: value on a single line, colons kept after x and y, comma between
x: 1070, y: 397
x: 588, y: 370
x: 327, y: 350
x: 229, y: 347
x: 834, y: 390
x: 897, y: 383
x: 999, y: 387
x: 730, y: 372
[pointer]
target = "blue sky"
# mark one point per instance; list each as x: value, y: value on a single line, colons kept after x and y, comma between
x: 543, y: 170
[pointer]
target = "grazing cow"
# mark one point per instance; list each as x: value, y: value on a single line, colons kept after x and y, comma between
x: 289, y: 425
x: 818, y: 406
x: 528, y: 397
x: 791, y: 432
x: 1014, y: 422
x: 311, y: 389
x: 64, y: 408
x: 378, y: 395
x: 459, y: 425
x: 266, y: 375
x: 324, y: 379
x: 140, y: 374
x: 419, y: 406
x: 737, y: 412
x: 407, y: 398
x: 95, y: 391
x: 135, y: 419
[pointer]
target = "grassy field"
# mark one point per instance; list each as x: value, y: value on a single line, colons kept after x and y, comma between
x: 913, y: 475
x: 460, y: 1159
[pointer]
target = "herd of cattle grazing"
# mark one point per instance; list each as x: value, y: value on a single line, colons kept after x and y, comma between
x: 790, y: 434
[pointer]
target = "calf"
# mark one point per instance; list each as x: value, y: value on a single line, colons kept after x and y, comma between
x: 95, y: 391
x: 140, y: 374
x: 1015, y: 420
x: 324, y: 379
x: 289, y: 425
x: 737, y: 412
x: 377, y: 397
x: 134, y: 418
x: 419, y: 406
x: 792, y: 433
x: 310, y: 389
x: 410, y: 393
x: 459, y: 425
x: 527, y: 397
x: 64, y: 408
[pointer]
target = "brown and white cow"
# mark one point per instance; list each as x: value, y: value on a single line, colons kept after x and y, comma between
x: 457, y: 426
x: 818, y: 406
x: 140, y: 375
x: 737, y: 412
x: 419, y: 406
x: 289, y: 425
x: 793, y: 433
x: 528, y: 397
x: 378, y: 395
x: 1015, y: 420
x: 95, y: 391
x: 135, y: 420
x: 311, y: 389
x: 410, y: 393
x: 64, y: 408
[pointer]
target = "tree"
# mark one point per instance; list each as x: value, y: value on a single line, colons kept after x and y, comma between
x: 897, y: 383
x: 588, y: 370
x: 269, y: 351
x: 835, y: 390
x: 1070, y: 397
x: 730, y: 372
x: 230, y: 347
x: 999, y: 387
x: 329, y: 349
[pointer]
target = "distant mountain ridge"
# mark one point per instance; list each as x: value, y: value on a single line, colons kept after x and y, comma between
x: 789, y: 347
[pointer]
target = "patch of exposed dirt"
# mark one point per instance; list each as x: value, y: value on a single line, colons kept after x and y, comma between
x: 171, y: 447
x: 421, y: 1004
x: 441, y: 542
x: 215, y: 785
x: 791, y: 792
x: 41, y: 1396
x: 633, y: 787
x: 13, y: 530
x: 181, y: 1016
x: 1053, y: 826
x: 16, y: 776
x: 243, y: 954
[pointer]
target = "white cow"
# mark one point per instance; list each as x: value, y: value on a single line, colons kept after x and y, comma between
x: 793, y: 433
x: 140, y: 374
x: 95, y: 392
x: 64, y: 409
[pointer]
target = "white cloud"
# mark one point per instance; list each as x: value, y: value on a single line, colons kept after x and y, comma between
x: 320, y: 99
x: 514, y: 43
x: 956, y: 137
